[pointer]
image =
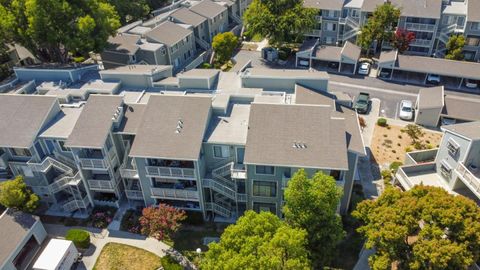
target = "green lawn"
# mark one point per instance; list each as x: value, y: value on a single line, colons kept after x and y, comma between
x: 124, y: 257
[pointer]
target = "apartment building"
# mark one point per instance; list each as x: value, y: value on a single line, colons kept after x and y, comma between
x: 432, y: 21
x: 201, y: 150
x: 216, y: 15
x: 454, y: 166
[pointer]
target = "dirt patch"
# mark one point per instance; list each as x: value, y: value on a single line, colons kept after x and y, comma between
x: 389, y: 143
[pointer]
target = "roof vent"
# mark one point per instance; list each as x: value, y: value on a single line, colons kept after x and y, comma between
x: 299, y: 145
x: 179, y: 127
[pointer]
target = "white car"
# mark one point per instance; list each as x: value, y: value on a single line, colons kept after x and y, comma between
x: 433, y: 79
x: 364, y: 68
x: 406, y: 110
x: 471, y: 83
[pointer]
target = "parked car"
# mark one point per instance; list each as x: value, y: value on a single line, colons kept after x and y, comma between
x: 448, y: 121
x: 304, y: 63
x: 406, y: 110
x: 385, y: 73
x: 433, y: 78
x: 333, y: 65
x: 364, y: 68
x: 471, y: 83
x: 362, y: 102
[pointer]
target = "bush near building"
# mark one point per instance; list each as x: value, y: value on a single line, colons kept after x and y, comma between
x: 80, y: 238
x: 169, y: 263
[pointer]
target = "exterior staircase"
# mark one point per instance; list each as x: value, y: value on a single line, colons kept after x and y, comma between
x: 445, y: 33
x: 236, y: 19
x: 352, y: 24
x: 202, y: 43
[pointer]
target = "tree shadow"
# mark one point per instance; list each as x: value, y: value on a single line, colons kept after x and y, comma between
x: 126, y: 235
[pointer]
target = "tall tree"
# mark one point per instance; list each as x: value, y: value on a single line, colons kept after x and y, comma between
x: 423, y: 228
x: 224, y: 44
x: 161, y: 221
x: 15, y: 194
x: 130, y: 11
x: 279, y: 20
x: 455, y: 47
x: 312, y: 204
x: 51, y: 29
x: 402, y: 39
x: 380, y: 26
x: 258, y: 241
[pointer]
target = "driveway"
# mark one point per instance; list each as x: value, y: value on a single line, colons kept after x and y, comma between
x: 99, y: 238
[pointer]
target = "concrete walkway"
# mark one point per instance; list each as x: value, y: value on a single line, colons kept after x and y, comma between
x: 99, y: 238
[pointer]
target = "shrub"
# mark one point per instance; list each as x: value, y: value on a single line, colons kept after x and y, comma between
x: 194, y: 218
x: 282, y: 55
x: 394, y: 151
x: 429, y: 146
x: 206, y: 66
x: 78, y: 59
x: 394, y: 166
x: 399, y: 144
x: 386, y: 174
x: 389, y: 127
x: 130, y: 221
x: 382, y: 122
x: 102, y: 216
x: 385, y: 135
x: 80, y: 238
x: 419, y: 145
x: 399, y: 136
x: 169, y: 263
x: 408, y: 149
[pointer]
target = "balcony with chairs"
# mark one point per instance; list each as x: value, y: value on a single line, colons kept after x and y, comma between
x: 170, y: 168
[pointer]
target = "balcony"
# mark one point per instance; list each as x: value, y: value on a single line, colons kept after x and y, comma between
x: 420, y: 27
x: 3, y: 160
x: 422, y: 156
x: 96, y: 160
x: 63, y: 181
x: 421, y: 42
x: 134, y: 194
x: 425, y: 174
x: 177, y: 194
x: 73, y: 205
x: 101, y: 184
x: 470, y: 176
x: 153, y: 171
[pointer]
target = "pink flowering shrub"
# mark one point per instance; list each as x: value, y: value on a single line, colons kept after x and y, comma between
x: 102, y: 216
x: 161, y: 221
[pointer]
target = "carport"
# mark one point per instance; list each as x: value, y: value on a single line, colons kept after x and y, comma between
x: 417, y: 68
x: 429, y: 105
x: 344, y: 58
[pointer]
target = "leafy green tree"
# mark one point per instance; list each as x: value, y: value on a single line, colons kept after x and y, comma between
x: 380, y: 26
x: 130, y: 11
x: 53, y: 29
x: 312, y: 204
x: 423, y: 228
x: 224, y: 44
x: 15, y: 194
x: 279, y: 21
x: 414, y: 132
x: 156, y: 4
x: 455, y: 47
x: 258, y: 241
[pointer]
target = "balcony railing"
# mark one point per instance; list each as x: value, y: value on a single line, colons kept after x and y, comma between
x: 170, y: 172
x: 217, y: 209
x: 101, y: 184
x: 420, y: 27
x: 63, y: 181
x: 4, y: 160
x: 134, y: 194
x: 179, y: 194
x: 76, y: 204
x: 47, y: 163
x: 106, y: 203
x: 470, y: 179
x: 421, y: 42
x: 93, y: 163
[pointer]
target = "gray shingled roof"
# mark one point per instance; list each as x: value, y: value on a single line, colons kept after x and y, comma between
x: 473, y: 14
x: 431, y: 97
x: 132, y: 118
x: 275, y: 128
x: 123, y: 43
x: 208, y: 9
x: 157, y: 137
x: 63, y: 124
x: 285, y: 73
x: 168, y: 33
x: 461, y: 108
x: 22, y: 117
x: 412, y: 8
x: 370, y: 5
x: 304, y: 95
x: 387, y: 57
x: 95, y: 121
x: 324, y: 4
x: 14, y: 227
x: 438, y: 66
x: 351, y: 51
x: 470, y: 130
x: 186, y: 16
x: 328, y: 53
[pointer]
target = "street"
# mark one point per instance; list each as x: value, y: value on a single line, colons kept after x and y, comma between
x: 390, y: 93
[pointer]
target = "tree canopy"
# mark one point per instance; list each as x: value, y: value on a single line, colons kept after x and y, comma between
x: 258, y: 241
x: 51, y: 29
x: 402, y: 39
x: 423, y: 228
x: 455, y: 47
x: 380, y: 26
x: 279, y: 20
x: 161, y: 221
x: 312, y: 204
x: 130, y: 11
x: 15, y: 194
x: 224, y: 44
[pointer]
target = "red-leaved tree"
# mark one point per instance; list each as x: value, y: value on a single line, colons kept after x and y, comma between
x: 402, y: 39
x: 161, y: 221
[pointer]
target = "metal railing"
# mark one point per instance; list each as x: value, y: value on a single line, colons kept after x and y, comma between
x: 128, y: 168
x: 349, y: 34
x: 217, y: 209
x: 420, y: 27
x: 171, y: 193
x: 170, y: 172
x: 100, y: 184
x: 134, y: 194
x: 421, y: 42
x: 76, y: 204
x: 93, y: 163
x: 314, y: 32
x: 47, y: 163
x: 220, y: 188
x: 4, y: 160
x: 63, y: 181
x: 469, y: 178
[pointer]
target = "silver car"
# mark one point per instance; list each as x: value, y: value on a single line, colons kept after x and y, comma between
x: 406, y: 110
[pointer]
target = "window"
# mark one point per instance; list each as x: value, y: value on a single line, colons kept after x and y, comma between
x: 21, y: 152
x: 270, y: 170
x: 221, y: 151
x: 62, y: 146
x: 475, y: 26
x: 163, y: 51
x: 264, y: 189
x: 452, y: 147
x: 445, y: 169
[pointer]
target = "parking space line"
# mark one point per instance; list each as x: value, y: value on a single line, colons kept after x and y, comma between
x: 396, y: 110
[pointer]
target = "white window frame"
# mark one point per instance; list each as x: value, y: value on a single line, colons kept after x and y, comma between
x: 452, y: 147
x: 260, y: 196
x: 274, y: 170
x: 224, y: 150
